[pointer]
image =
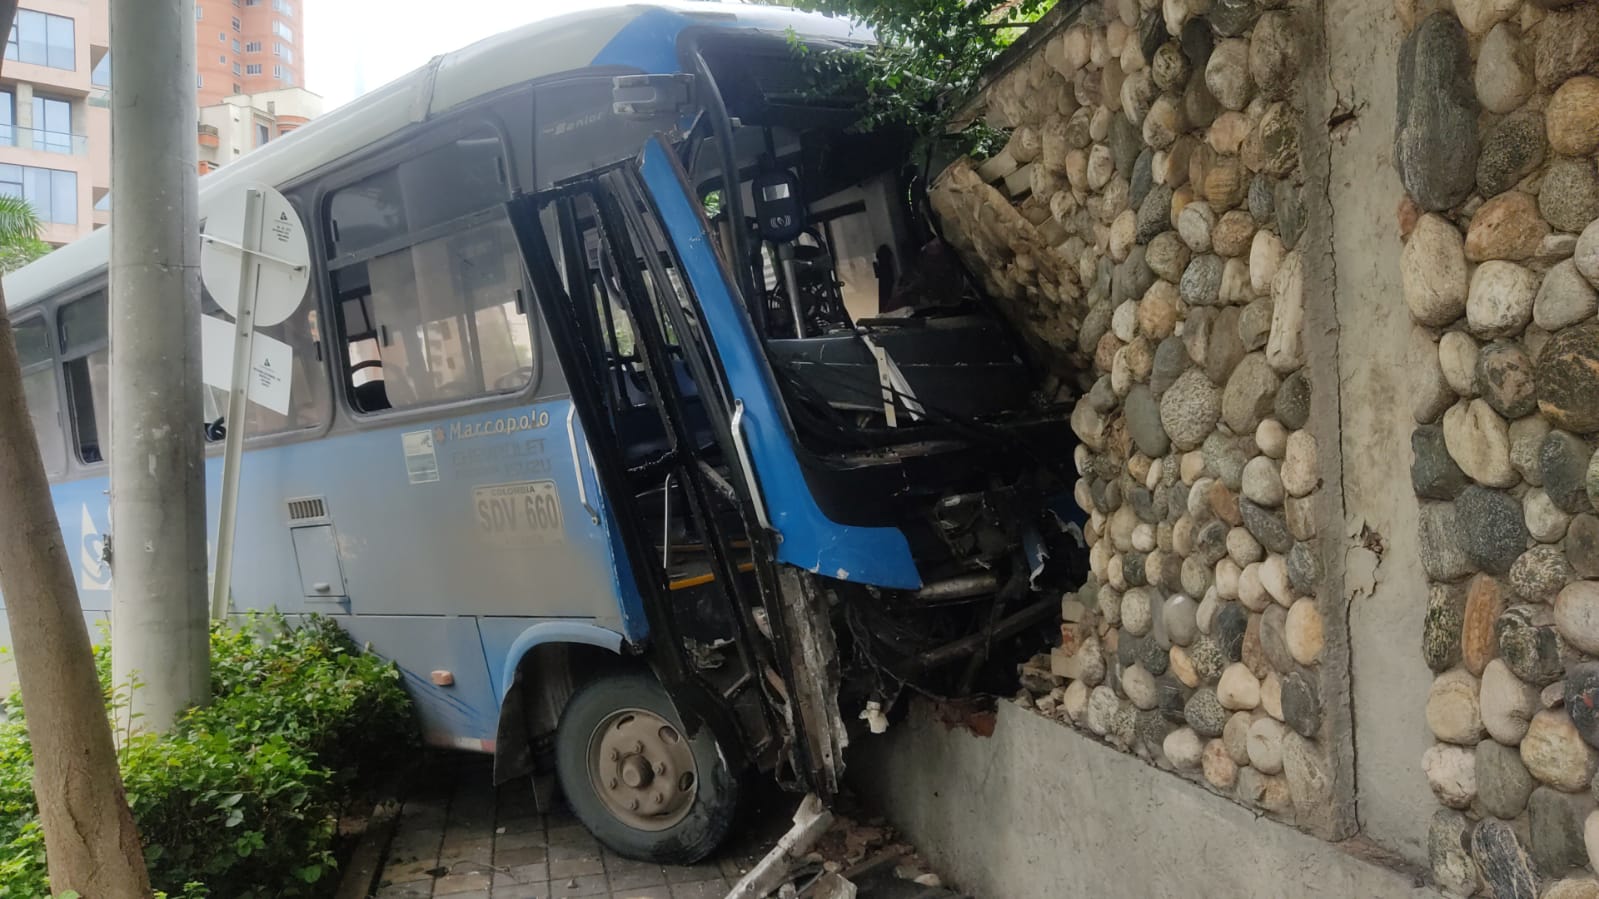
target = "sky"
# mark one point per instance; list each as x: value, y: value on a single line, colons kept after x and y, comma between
x: 356, y: 46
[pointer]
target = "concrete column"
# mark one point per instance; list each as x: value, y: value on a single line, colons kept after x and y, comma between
x: 159, y: 610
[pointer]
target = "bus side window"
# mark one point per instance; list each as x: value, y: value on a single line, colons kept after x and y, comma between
x: 86, y: 363
x: 39, y: 390
x: 428, y: 282
x: 309, y: 402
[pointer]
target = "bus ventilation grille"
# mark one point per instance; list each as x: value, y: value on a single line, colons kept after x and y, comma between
x: 307, y: 509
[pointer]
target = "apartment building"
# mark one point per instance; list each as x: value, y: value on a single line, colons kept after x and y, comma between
x: 55, y: 123
x: 55, y: 117
x: 242, y: 122
x: 247, y: 47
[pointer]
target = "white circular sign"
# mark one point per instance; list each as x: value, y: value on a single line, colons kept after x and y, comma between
x: 278, y: 243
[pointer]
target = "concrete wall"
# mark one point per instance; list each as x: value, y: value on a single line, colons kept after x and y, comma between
x: 1383, y: 575
x: 1040, y: 811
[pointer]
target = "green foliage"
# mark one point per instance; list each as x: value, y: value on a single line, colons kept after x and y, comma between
x: 929, y: 53
x: 16, y: 253
x: 19, y: 234
x: 241, y: 798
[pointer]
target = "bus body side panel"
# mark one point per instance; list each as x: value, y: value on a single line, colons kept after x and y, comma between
x: 460, y: 715
x: 484, y: 517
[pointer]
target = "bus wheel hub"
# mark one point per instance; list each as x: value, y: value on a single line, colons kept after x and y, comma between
x: 642, y: 769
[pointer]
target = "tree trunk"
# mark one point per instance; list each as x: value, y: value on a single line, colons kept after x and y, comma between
x: 89, y: 834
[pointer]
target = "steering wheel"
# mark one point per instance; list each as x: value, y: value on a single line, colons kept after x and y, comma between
x: 513, y: 380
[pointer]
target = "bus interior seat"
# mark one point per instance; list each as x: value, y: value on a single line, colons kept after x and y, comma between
x: 372, y: 396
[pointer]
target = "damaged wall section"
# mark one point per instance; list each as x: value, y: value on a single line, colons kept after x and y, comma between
x: 1151, y: 220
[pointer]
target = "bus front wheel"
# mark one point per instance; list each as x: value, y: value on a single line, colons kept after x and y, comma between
x: 636, y: 779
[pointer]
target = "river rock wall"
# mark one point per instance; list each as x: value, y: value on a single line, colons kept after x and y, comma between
x: 1495, y: 145
x: 1149, y: 223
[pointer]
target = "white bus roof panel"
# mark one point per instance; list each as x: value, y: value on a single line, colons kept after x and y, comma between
x: 640, y: 35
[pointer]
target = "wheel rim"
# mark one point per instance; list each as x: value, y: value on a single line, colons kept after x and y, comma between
x: 641, y: 767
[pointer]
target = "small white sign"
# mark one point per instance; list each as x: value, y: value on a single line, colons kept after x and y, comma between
x: 271, y: 364
x: 421, y: 459
x: 280, y: 246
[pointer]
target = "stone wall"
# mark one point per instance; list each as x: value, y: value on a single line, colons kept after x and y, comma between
x: 1161, y: 222
x: 1495, y: 145
x: 1149, y: 222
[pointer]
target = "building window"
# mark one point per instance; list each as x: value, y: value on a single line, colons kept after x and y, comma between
x: 53, y: 194
x: 199, y: 13
x: 235, y: 45
x: 42, y: 40
x: 8, y: 114
x: 284, y: 6
x: 253, y: 68
x: 282, y: 30
x: 238, y: 69
x: 277, y: 72
x: 235, y: 23
x: 286, y: 53
x: 222, y: 58
x: 101, y: 76
x: 262, y: 133
x: 237, y: 88
x: 199, y: 81
x: 252, y: 47
x: 52, y: 125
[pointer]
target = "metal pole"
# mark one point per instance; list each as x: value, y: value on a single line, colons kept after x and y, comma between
x: 159, y: 623
x: 238, y: 396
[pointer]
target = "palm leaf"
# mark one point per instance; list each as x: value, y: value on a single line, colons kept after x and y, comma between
x: 18, y: 220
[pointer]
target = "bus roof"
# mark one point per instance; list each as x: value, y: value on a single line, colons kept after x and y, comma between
x: 642, y: 36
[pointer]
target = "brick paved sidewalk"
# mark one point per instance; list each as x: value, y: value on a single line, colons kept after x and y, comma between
x: 460, y: 837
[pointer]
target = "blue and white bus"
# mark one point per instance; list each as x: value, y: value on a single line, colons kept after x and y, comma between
x: 640, y: 500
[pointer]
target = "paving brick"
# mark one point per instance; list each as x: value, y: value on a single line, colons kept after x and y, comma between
x: 627, y: 874
x: 477, y: 849
x: 587, y: 885
x: 656, y: 892
x: 405, y: 870
x: 414, y: 890
x: 573, y: 867
x: 512, y: 857
x: 693, y: 873
x: 513, y: 875
x: 506, y: 825
x: 520, y: 840
x: 705, y: 889
x: 540, y: 890
x: 463, y: 883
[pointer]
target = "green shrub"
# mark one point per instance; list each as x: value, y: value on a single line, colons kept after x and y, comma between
x: 241, y: 798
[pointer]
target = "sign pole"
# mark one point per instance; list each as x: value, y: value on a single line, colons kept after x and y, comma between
x: 238, y: 398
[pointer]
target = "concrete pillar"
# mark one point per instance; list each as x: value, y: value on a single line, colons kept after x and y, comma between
x: 159, y: 609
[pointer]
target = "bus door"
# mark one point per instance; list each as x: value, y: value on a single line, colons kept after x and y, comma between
x: 662, y: 426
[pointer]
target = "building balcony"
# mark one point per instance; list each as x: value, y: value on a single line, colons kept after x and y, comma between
x: 209, y: 136
x: 45, y: 141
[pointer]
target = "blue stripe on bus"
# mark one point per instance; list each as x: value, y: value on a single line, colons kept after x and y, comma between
x: 648, y: 43
x: 810, y: 540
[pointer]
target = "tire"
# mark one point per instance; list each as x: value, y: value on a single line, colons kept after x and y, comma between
x: 691, y: 823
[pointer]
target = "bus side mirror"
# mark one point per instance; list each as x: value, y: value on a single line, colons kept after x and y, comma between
x: 648, y: 96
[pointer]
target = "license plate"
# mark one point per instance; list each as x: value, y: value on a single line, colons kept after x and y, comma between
x: 519, y: 514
